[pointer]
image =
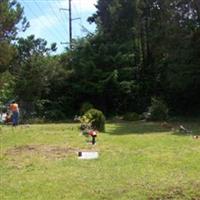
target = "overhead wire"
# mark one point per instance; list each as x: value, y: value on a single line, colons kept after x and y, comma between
x: 58, y: 18
x: 60, y: 6
x: 77, y: 14
x: 38, y: 6
x: 44, y: 0
x: 84, y: 31
x: 81, y: 23
x: 64, y: 14
x: 58, y: 33
x: 52, y: 33
x: 35, y: 15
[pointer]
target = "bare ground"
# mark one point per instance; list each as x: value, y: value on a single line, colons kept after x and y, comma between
x: 46, y: 151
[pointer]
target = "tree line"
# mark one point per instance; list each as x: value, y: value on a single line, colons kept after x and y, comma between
x: 140, y: 49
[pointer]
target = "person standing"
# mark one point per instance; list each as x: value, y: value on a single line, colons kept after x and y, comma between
x: 15, y: 113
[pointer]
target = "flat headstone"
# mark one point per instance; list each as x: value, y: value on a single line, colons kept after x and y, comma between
x: 88, y: 155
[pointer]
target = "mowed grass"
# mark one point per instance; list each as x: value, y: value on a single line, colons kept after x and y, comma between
x: 137, y: 160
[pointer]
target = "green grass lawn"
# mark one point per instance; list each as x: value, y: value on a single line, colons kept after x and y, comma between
x: 137, y: 160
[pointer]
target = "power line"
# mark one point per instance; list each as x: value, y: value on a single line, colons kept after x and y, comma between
x: 78, y: 13
x: 70, y: 21
x: 33, y: 13
x: 60, y: 18
x: 56, y: 16
x: 36, y: 3
x: 61, y: 13
x: 42, y: 0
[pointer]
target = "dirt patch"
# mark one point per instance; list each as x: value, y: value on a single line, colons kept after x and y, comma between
x: 47, y: 151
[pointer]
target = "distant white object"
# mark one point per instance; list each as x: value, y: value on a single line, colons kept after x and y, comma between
x: 3, y: 117
x: 183, y: 129
x: 88, y: 155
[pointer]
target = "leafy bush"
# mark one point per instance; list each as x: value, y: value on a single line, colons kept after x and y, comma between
x: 132, y: 116
x: 85, y: 123
x: 96, y: 118
x: 85, y: 107
x: 158, y: 110
x: 7, y: 84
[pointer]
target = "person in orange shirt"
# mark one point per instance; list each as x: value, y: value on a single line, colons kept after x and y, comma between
x: 15, y: 113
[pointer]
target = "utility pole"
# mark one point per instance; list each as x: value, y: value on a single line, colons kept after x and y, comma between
x: 70, y: 23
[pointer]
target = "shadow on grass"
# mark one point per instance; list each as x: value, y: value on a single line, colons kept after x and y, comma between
x: 141, y: 127
x: 138, y: 127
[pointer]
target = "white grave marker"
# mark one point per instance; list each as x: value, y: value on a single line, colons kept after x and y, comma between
x: 88, y: 155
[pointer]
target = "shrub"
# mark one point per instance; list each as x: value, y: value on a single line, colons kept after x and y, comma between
x: 85, y: 107
x: 132, y: 116
x: 85, y: 123
x: 96, y: 118
x: 158, y: 111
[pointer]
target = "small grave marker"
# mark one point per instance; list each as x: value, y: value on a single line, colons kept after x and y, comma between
x: 88, y: 155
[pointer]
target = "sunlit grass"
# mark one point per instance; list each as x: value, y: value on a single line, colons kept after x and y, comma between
x: 137, y: 161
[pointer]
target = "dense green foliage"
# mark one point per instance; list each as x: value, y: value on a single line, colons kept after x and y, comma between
x: 6, y: 87
x: 35, y: 70
x: 158, y: 110
x: 96, y: 118
x: 85, y: 107
x: 141, y: 49
x: 11, y: 13
x: 131, y: 116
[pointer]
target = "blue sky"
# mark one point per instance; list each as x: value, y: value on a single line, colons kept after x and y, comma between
x: 49, y: 22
